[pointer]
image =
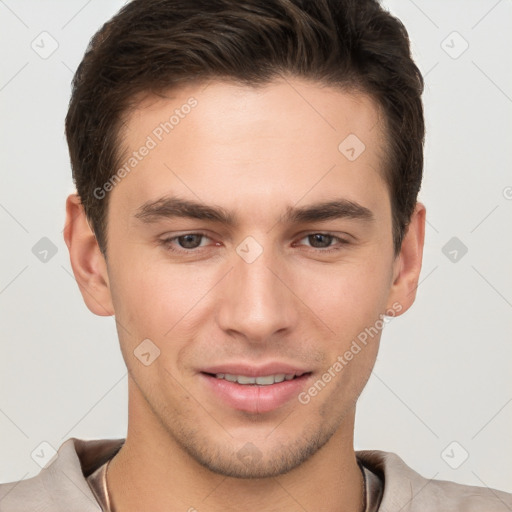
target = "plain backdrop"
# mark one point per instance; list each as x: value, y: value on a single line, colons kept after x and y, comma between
x: 441, y: 392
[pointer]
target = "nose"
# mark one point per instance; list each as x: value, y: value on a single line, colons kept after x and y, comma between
x: 257, y: 301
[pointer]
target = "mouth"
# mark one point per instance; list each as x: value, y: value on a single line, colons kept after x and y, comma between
x: 254, y: 390
x: 263, y: 380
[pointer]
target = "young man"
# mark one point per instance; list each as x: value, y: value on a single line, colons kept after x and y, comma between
x: 247, y: 177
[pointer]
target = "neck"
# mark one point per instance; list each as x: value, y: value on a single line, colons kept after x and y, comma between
x: 152, y: 472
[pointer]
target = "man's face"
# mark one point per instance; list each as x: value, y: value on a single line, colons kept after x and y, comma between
x: 275, y: 292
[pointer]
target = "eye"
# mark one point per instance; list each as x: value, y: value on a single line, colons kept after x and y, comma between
x: 323, y: 242
x: 186, y: 243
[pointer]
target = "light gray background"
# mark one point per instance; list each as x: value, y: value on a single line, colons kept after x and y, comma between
x: 443, y: 371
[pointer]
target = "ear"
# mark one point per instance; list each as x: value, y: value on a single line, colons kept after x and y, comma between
x: 407, y: 264
x: 87, y: 261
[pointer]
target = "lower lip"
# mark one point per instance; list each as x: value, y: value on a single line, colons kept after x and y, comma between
x: 253, y: 398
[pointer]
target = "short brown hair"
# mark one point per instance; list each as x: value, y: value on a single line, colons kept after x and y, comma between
x: 152, y: 46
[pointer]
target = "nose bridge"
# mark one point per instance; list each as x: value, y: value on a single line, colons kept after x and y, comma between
x: 256, y: 302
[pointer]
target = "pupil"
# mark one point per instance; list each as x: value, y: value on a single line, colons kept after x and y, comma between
x: 317, y: 237
x: 189, y: 241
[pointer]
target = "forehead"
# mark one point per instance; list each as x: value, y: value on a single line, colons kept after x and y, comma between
x: 224, y: 142
x: 264, y: 109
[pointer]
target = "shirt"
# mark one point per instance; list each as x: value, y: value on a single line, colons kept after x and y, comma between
x: 63, y: 485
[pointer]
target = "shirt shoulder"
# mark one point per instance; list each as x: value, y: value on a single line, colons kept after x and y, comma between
x: 62, y: 486
x: 405, y: 489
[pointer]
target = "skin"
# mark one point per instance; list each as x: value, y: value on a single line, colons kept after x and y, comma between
x: 253, y: 152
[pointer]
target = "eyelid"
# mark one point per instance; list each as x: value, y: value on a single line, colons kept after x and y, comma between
x: 341, y: 241
x: 167, y: 239
x: 340, y: 235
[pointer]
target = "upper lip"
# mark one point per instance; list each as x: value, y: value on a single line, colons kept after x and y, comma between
x: 251, y: 370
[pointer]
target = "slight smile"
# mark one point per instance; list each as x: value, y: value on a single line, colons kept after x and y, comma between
x: 255, y: 390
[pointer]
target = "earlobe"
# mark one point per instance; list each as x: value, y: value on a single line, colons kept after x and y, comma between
x: 87, y: 261
x: 408, y: 262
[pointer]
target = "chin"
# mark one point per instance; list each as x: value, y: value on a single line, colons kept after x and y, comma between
x: 248, y: 461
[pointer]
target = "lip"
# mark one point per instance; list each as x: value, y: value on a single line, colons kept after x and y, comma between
x: 252, y: 398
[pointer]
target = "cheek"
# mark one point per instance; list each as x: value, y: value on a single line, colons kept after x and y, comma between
x: 348, y: 297
x: 153, y: 298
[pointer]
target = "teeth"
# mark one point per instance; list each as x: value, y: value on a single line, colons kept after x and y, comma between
x: 265, y: 380
x: 241, y: 379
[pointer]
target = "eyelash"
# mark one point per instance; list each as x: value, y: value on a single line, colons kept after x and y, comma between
x: 167, y: 243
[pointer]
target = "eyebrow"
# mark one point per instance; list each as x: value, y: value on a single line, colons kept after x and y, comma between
x: 174, y: 207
